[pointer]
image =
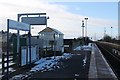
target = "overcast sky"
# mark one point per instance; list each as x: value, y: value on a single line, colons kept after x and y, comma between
x: 66, y: 16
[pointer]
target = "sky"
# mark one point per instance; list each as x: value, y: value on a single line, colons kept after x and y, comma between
x: 66, y: 16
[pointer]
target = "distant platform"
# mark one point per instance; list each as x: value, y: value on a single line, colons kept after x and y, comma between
x: 99, y: 68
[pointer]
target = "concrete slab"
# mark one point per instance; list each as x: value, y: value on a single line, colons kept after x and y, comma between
x: 99, y: 68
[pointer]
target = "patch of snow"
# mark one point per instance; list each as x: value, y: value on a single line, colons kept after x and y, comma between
x: 49, y: 63
x: 1, y: 76
x: 67, y: 55
x: 77, y: 54
x: 0, y: 59
x: 41, y: 61
x: 20, y: 76
x: 84, y: 60
x: 78, y: 48
x: 0, y: 66
x: 11, y: 70
x: 76, y: 75
x: 6, y: 59
x: 17, y: 77
x: 0, y: 63
x: 90, y: 44
x: 85, y: 47
x: 10, y: 63
x: 44, y: 64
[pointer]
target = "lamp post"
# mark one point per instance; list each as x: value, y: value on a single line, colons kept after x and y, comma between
x: 111, y: 31
x: 83, y: 28
x: 86, y: 27
x: 95, y: 36
x: 104, y: 31
x: 46, y: 20
x: 54, y: 46
x: 86, y: 31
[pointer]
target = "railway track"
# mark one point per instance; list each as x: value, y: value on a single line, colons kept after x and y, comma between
x: 112, y: 57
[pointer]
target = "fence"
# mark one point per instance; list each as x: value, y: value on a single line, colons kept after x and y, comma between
x: 0, y: 62
x: 11, y: 64
x: 17, y: 61
x: 0, y: 65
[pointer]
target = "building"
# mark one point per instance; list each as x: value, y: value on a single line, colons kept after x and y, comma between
x: 3, y: 40
x: 68, y: 45
x: 53, y: 39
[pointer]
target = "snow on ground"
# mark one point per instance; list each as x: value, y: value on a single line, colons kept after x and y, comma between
x: 85, y: 61
x: 0, y: 59
x: 18, y: 77
x: 78, y: 48
x: 84, y: 47
x: 0, y: 68
x: 49, y: 63
x: 44, y: 64
x: 0, y: 64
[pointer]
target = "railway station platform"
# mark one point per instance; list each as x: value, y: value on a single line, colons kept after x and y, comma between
x: 99, y: 68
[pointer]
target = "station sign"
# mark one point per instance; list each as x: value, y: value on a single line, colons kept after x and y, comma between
x: 34, y: 20
x: 18, y: 25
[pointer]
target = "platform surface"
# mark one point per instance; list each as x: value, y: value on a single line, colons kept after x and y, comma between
x: 99, y: 68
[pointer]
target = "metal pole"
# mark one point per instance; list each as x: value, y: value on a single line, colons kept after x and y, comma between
x: 95, y: 36
x: 54, y: 46
x: 18, y: 42
x: 46, y: 21
x: 104, y: 32
x: 83, y: 31
x: 7, y: 49
x: 30, y: 44
x: 86, y: 27
x: 29, y: 33
x: 111, y: 32
x: 86, y: 31
x: 83, y: 28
